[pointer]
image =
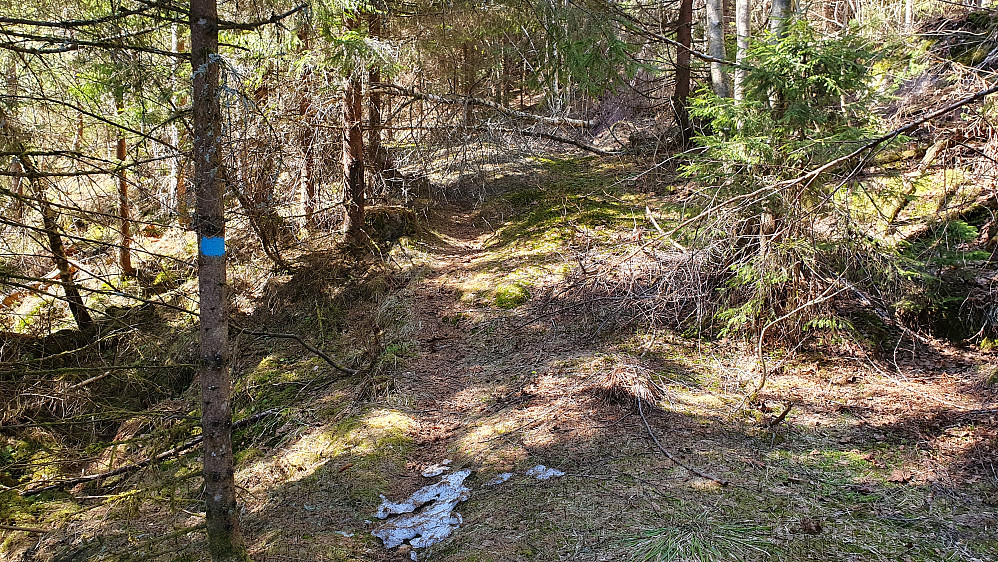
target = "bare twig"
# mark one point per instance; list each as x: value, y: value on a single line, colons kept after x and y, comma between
x: 672, y: 457
x: 874, y: 143
x: 60, y: 370
x: 762, y: 333
x: 142, y: 464
x: 564, y: 140
x: 786, y: 410
x: 468, y: 100
x: 318, y: 352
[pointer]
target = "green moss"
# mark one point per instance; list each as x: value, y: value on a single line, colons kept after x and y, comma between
x: 511, y: 296
x: 165, y: 277
x: 247, y: 455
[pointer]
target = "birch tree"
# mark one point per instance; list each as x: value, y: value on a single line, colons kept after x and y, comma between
x: 743, y: 11
x: 715, y: 47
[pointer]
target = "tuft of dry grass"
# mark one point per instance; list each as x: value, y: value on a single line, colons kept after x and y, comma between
x: 624, y: 385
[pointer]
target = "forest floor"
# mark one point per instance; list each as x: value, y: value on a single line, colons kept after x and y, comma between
x: 879, y: 458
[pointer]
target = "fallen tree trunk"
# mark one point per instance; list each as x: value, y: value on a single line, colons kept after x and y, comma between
x: 469, y: 100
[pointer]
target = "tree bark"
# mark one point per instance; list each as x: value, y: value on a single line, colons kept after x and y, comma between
x: 51, y: 224
x: 353, y: 154
x: 779, y: 16
x: 10, y: 135
x: 715, y: 48
x: 684, y: 35
x: 124, y: 252
x: 743, y: 11
x: 374, y: 149
x: 225, y: 540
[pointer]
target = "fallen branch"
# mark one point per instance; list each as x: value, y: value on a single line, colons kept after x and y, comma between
x: 672, y: 457
x: 689, y: 221
x: 781, y: 417
x: 142, y: 464
x: 114, y: 293
x: 874, y: 143
x: 318, y: 352
x: 762, y: 334
x: 59, y: 370
x: 469, y: 100
x: 564, y: 140
x: 25, y: 529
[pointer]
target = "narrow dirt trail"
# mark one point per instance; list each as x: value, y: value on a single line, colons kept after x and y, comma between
x: 478, y: 389
x: 442, y: 371
x: 470, y: 370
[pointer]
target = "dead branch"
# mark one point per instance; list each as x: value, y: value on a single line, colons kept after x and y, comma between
x: 318, y: 352
x: 40, y: 291
x: 809, y: 177
x: 689, y: 221
x: 639, y: 27
x: 59, y: 370
x: 25, y: 529
x: 564, y: 140
x: 762, y: 333
x: 786, y: 410
x: 469, y: 100
x: 142, y: 464
x: 672, y: 457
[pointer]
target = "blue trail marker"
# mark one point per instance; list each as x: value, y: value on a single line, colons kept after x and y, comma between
x: 212, y: 246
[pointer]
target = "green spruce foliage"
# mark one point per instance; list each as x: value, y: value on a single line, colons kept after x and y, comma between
x: 783, y: 242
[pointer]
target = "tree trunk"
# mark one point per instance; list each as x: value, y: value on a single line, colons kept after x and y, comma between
x: 124, y: 252
x: 50, y: 221
x: 779, y: 16
x: 743, y: 11
x: 374, y: 149
x: 715, y: 48
x: 353, y: 154
x: 684, y: 35
x: 307, y: 185
x: 225, y: 540
x: 15, y: 186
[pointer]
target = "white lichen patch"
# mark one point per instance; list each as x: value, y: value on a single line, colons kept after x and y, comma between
x: 427, y: 516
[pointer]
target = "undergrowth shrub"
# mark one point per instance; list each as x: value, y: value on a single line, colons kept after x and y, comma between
x: 789, y: 244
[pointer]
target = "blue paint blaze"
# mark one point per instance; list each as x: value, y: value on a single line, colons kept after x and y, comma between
x: 213, y: 246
